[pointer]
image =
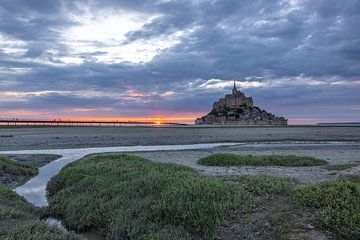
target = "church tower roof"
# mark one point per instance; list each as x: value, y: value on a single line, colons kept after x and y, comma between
x: 234, y: 90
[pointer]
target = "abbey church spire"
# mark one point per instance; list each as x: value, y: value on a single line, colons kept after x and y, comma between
x: 234, y: 90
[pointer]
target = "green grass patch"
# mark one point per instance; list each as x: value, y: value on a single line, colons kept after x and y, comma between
x: 340, y: 167
x: 133, y: 198
x: 15, y: 168
x: 337, y: 203
x: 226, y: 159
x: 263, y: 185
x: 13, y: 206
x: 268, y: 185
x: 20, y: 220
x: 128, y: 197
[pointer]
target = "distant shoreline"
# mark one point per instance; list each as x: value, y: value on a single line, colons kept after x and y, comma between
x: 193, y: 126
x: 340, y: 124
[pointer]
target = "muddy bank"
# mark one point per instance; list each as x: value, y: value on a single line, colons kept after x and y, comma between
x: 277, y: 218
x: 76, y: 137
x: 34, y: 160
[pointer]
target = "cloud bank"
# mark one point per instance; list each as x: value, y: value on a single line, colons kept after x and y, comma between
x: 299, y: 59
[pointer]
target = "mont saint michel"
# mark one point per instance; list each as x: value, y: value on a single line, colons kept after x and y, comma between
x: 237, y: 109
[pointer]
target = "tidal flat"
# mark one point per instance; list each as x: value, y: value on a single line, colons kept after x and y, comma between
x: 275, y: 201
x: 20, y: 138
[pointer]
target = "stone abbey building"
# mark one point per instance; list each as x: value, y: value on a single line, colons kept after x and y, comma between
x: 237, y: 109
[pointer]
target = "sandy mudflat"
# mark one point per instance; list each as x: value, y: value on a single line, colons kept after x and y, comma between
x: 334, y: 154
x: 344, y: 145
x: 77, y: 137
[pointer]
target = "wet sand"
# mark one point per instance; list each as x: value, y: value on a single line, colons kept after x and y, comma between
x: 25, y: 138
x: 333, y: 153
x: 311, y: 141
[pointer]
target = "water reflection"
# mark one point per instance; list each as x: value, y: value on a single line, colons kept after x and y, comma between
x: 54, y: 222
x: 34, y: 191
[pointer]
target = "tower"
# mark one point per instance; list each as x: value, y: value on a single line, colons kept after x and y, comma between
x: 234, y: 90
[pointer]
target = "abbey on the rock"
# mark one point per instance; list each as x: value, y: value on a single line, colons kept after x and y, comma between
x: 237, y: 109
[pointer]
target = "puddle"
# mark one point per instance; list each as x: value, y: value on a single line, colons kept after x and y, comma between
x: 90, y: 235
x: 54, y: 222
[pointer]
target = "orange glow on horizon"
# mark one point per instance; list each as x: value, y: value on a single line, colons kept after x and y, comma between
x: 157, y: 120
x: 162, y: 117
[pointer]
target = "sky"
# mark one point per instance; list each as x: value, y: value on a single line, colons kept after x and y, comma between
x: 171, y: 59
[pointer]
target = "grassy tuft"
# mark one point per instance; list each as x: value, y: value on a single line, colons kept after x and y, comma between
x: 337, y: 203
x: 13, y: 206
x: 130, y: 197
x: 19, y: 220
x: 263, y: 185
x: 36, y: 230
x: 15, y: 168
x: 198, y: 203
x: 226, y: 159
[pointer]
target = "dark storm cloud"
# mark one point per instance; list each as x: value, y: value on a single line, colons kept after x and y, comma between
x: 33, y: 20
x: 229, y: 39
x: 58, y: 102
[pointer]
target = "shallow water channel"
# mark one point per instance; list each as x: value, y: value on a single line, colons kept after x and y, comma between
x: 34, y: 191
